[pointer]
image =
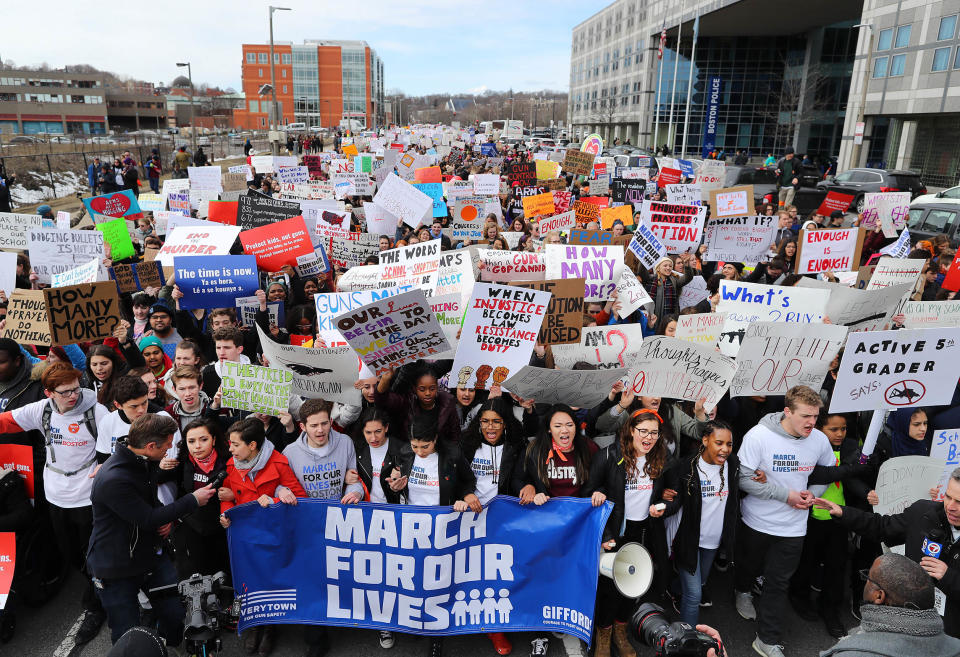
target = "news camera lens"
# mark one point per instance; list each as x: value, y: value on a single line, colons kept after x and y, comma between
x: 649, y: 625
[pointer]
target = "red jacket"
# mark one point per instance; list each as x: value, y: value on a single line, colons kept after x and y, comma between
x: 276, y: 472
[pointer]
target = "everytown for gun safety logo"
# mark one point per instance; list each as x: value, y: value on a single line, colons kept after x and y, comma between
x: 259, y: 605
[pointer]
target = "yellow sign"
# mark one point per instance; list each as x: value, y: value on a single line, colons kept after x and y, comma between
x: 538, y: 205
x: 622, y: 212
x: 350, y: 150
x: 547, y: 169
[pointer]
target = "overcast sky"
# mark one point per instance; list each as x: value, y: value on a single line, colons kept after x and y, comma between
x: 428, y: 46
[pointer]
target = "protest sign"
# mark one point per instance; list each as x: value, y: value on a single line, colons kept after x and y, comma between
x: 835, y: 202
x: 116, y: 204
x: 248, y: 307
x: 223, y: 212
x: 894, y: 271
x: 447, y: 549
x: 830, y: 250
x: 600, y: 186
x: 563, y: 322
x: 353, y: 250
x: 599, y: 266
x: 365, y: 277
x: 204, y: 178
x: 403, y: 200
x: 8, y: 272
x: 903, y: 480
x: 427, y: 175
x: 930, y: 314
x: 521, y: 174
x: 684, y: 194
x: 674, y: 368
x: 693, y: 292
x: 416, y: 265
x: 631, y: 294
x: 254, y: 388
x: 711, y: 176
x: 297, y: 174
x: 115, y: 234
x: 622, y: 213
x: 577, y: 162
x: 669, y: 176
x: 318, y: 372
x: 945, y: 449
x: 85, y: 273
x: 435, y: 192
x: 562, y: 221
x: 27, y: 321
x: 500, y: 326
x: 732, y: 202
x: 952, y: 279
x: 82, y: 313
x: 255, y: 210
x: 538, y: 205
x: 215, y: 281
x: 392, y: 332
x: 209, y: 240
x: 646, y: 246
x: 8, y: 562
x: 585, y: 237
x: 449, y: 309
x: 179, y: 202
x: 485, y: 184
x: 745, y: 303
x: 234, y: 181
x: 19, y: 458
x: 277, y: 244
x: 739, y: 239
x: 677, y: 226
x: 585, y: 212
x: 553, y: 184
x: 605, y: 347
x: 775, y: 356
x: 148, y: 203
x: 860, y: 310
x: 900, y: 248
x: 138, y: 276
x: 503, y: 266
x: 359, y: 184
x: 702, y: 328
x: 889, y: 209
x: 628, y: 191
x: 577, y: 388
x: 455, y: 274
x: 893, y: 369
x: 56, y: 251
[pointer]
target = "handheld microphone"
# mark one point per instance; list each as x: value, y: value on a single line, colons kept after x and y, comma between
x: 933, y: 543
x: 217, y: 481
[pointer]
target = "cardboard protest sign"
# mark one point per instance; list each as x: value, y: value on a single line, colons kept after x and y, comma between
x: 889, y: 209
x: 500, y: 327
x: 389, y: 333
x: 674, y: 368
x: 115, y: 234
x: 646, y: 246
x: 563, y: 221
x: 209, y: 240
x: 739, y: 239
x: 585, y: 212
x: 678, y: 227
x: 19, y: 458
x: 622, y: 213
x: 82, y: 313
x: 711, y: 176
x: 234, y: 181
x: 832, y: 250
x: 415, y: 265
x: 835, y: 201
x: 631, y: 294
x: 745, y: 303
x: 606, y: 347
x: 138, y: 276
x: 116, y: 204
x: 776, y: 356
x: 578, y: 388
x: 860, y: 310
x: 577, y: 162
x: 85, y: 273
x: 894, y: 271
x: 277, y: 244
x: 215, y: 281
x: 893, y: 369
x: 254, y: 388
x: 929, y: 314
x: 403, y: 200
x: 56, y: 251
x: 538, y: 205
x: 702, y: 328
x: 563, y: 322
x: 599, y: 266
x: 27, y: 321
x: 254, y: 210
x: 504, y: 266
x: 732, y: 202
x: 318, y: 372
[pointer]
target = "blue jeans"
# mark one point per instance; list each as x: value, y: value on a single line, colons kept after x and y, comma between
x: 691, y: 586
x: 119, y: 598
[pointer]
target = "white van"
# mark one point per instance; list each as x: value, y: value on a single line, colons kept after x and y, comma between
x: 294, y: 127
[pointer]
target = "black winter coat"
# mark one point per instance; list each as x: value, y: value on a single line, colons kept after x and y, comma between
x: 510, y: 460
x: 456, y: 478
x: 686, y: 544
x: 205, y: 520
x: 16, y: 513
x: 395, y: 448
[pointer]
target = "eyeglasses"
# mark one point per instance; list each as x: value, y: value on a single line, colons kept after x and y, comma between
x: 492, y: 423
x: 72, y: 392
x: 865, y: 576
x: 643, y: 433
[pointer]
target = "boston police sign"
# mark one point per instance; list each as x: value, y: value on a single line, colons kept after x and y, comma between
x: 424, y: 570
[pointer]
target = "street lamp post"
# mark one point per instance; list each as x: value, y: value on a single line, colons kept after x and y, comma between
x: 193, y: 127
x: 273, y: 79
x: 855, y: 152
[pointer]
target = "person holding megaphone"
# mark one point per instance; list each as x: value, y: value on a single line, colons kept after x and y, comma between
x: 640, y: 477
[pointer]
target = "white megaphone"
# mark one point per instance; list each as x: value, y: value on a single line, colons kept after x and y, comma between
x: 630, y: 568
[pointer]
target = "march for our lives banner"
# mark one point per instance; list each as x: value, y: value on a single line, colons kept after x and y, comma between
x: 423, y: 570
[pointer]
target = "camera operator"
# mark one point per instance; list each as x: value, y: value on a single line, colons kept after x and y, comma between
x: 898, y: 614
x: 928, y: 531
x: 128, y: 524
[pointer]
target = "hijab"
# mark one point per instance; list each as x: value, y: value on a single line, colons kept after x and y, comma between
x: 902, y: 444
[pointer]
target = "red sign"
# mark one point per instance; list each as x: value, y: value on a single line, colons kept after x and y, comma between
x: 599, y: 169
x: 669, y: 177
x: 223, y: 212
x: 427, y: 175
x: 952, y: 280
x: 834, y: 201
x: 8, y: 559
x: 19, y: 458
x: 279, y: 244
x: 600, y: 201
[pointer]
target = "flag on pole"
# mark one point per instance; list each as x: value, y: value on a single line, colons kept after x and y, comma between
x: 663, y: 40
x: 696, y: 27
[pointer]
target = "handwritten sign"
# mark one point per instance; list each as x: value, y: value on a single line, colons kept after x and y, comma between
x: 254, y: 388
x: 577, y: 162
x: 318, y: 372
x: 403, y: 200
x: 504, y: 266
x: 578, y: 388
x: 903, y: 480
x: 599, y: 266
x: 537, y: 205
x: 563, y: 322
x: 739, y: 239
x: 889, y: 209
x: 702, y: 328
x: 27, y: 321
x: 674, y: 368
x: 56, y: 251
x: 646, y: 246
x: 606, y: 347
x: 82, y: 313
x: 209, y: 240
x: 831, y: 250
x: 415, y: 265
x: 631, y: 294
x: 732, y: 201
x: 678, y: 227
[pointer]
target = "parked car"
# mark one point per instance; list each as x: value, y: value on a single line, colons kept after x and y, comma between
x: 929, y: 219
x: 858, y: 182
x: 951, y: 195
x: 764, y: 180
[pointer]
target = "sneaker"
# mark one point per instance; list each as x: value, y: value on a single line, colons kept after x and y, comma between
x: 831, y: 620
x: 801, y: 605
x: 386, y: 639
x: 539, y: 646
x: 705, y: 599
x: 89, y: 627
x: 744, y: 603
x: 766, y: 649
x: 436, y: 647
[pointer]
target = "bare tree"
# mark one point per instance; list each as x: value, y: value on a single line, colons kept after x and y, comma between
x: 797, y: 100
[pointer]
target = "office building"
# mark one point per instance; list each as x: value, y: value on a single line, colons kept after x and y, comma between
x: 52, y: 102
x: 318, y: 83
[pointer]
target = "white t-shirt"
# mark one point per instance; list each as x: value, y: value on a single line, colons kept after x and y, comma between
x: 713, y: 502
x: 113, y: 427
x: 423, y: 483
x: 787, y: 462
x: 636, y: 496
x: 486, y: 467
x: 73, y: 446
x: 377, y: 456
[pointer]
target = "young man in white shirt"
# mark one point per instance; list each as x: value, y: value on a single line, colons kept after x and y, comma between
x: 787, y: 447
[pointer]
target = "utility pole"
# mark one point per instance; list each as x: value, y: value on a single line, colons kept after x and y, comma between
x: 273, y: 80
x: 857, y: 147
x: 193, y: 125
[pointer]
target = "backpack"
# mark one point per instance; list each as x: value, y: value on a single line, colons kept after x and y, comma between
x: 89, y: 419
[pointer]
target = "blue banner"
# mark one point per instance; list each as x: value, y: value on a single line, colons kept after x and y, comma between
x: 686, y: 167
x: 488, y: 149
x: 710, y: 119
x: 215, y: 281
x: 435, y: 192
x: 421, y: 570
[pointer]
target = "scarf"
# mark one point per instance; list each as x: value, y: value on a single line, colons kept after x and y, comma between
x: 900, y: 440
x: 559, y: 452
x: 205, y: 465
x: 899, y: 620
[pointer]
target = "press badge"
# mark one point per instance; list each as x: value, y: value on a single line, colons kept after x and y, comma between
x: 939, y: 601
